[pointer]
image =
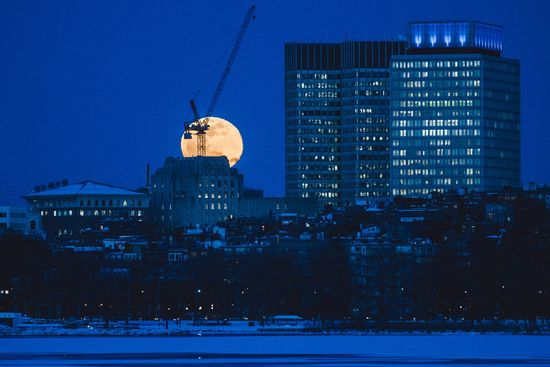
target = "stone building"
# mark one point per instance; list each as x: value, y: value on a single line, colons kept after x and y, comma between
x: 66, y: 210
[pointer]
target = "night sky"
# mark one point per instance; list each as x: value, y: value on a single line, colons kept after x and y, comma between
x: 98, y: 89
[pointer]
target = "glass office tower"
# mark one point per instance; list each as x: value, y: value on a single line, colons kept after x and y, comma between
x: 337, y: 113
x: 313, y: 121
x: 455, y: 115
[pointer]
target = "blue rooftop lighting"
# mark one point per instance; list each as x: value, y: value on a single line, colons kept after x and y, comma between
x: 466, y: 34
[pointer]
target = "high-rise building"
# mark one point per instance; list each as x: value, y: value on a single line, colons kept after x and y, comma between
x: 337, y: 113
x: 455, y: 110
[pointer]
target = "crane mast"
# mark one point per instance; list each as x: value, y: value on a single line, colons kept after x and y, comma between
x: 198, y: 125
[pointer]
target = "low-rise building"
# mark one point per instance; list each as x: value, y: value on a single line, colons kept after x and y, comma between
x: 18, y: 219
x: 66, y: 210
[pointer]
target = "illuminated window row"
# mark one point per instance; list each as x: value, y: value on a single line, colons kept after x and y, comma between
x: 437, y: 94
x: 321, y: 76
x: 442, y: 84
x: 437, y: 74
x: 439, y: 172
x: 448, y: 181
x: 213, y: 206
x: 436, y: 123
x: 437, y: 113
x: 429, y: 142
x: 437, y: 152
x: 88, y: 213
x: 435, y: 132
x: 436, y: 64
x: 324, y: 94
x: 311, y: 122
x: 215, y: 195
x: 317, y: 85
x: 318, y: 185
x: 366, y: 93
x: 438, y: 103
x: 435, y: 161
x: 440, y: 182
x: 366, y: 84
x: 424, y: 191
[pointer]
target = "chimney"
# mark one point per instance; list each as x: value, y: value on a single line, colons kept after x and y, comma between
x: 148, y: 176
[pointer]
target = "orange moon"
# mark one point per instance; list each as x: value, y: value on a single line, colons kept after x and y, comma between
x: 222, y: 139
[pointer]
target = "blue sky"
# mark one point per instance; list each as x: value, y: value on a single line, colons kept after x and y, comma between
x: 98, y: 89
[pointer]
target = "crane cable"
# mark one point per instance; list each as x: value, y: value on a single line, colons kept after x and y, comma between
x: 209, y: 76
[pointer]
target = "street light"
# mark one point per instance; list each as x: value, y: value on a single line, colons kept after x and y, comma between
x: 197, y: 307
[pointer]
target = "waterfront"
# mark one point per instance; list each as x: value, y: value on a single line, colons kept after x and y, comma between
x: 296, y: 350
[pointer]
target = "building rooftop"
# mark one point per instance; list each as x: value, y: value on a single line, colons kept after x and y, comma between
x: 455, y: 35
x: 84, y: 188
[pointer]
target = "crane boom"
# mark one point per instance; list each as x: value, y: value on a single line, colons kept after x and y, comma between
x: 198, y: 125
x: 230, y: 60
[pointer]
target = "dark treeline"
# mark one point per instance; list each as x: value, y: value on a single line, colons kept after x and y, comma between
x: 212, y: 285
x: 510, y: 281
x: 485, y: 278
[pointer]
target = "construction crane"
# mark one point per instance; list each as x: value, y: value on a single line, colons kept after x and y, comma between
x: 198, y: 125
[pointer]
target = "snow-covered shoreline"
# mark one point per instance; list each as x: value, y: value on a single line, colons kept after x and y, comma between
x: 143, y: 328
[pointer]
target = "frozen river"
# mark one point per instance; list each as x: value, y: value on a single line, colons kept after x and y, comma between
x: 295, y: 350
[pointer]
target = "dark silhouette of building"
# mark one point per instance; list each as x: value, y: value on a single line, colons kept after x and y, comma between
x: 204, y: 190
x: 196, y: 190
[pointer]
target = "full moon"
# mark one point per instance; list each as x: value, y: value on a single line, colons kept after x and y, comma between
x: 222, y: 139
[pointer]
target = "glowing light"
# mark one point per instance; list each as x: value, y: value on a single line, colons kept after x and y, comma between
x: 455, y: 34
x: 222, y: 139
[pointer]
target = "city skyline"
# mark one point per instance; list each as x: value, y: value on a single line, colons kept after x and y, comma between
x: 97, y: 67
x: 439, y: 111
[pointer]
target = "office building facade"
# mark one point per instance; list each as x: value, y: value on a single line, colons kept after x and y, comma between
x: 455, y: 111
x: 337, y: 113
